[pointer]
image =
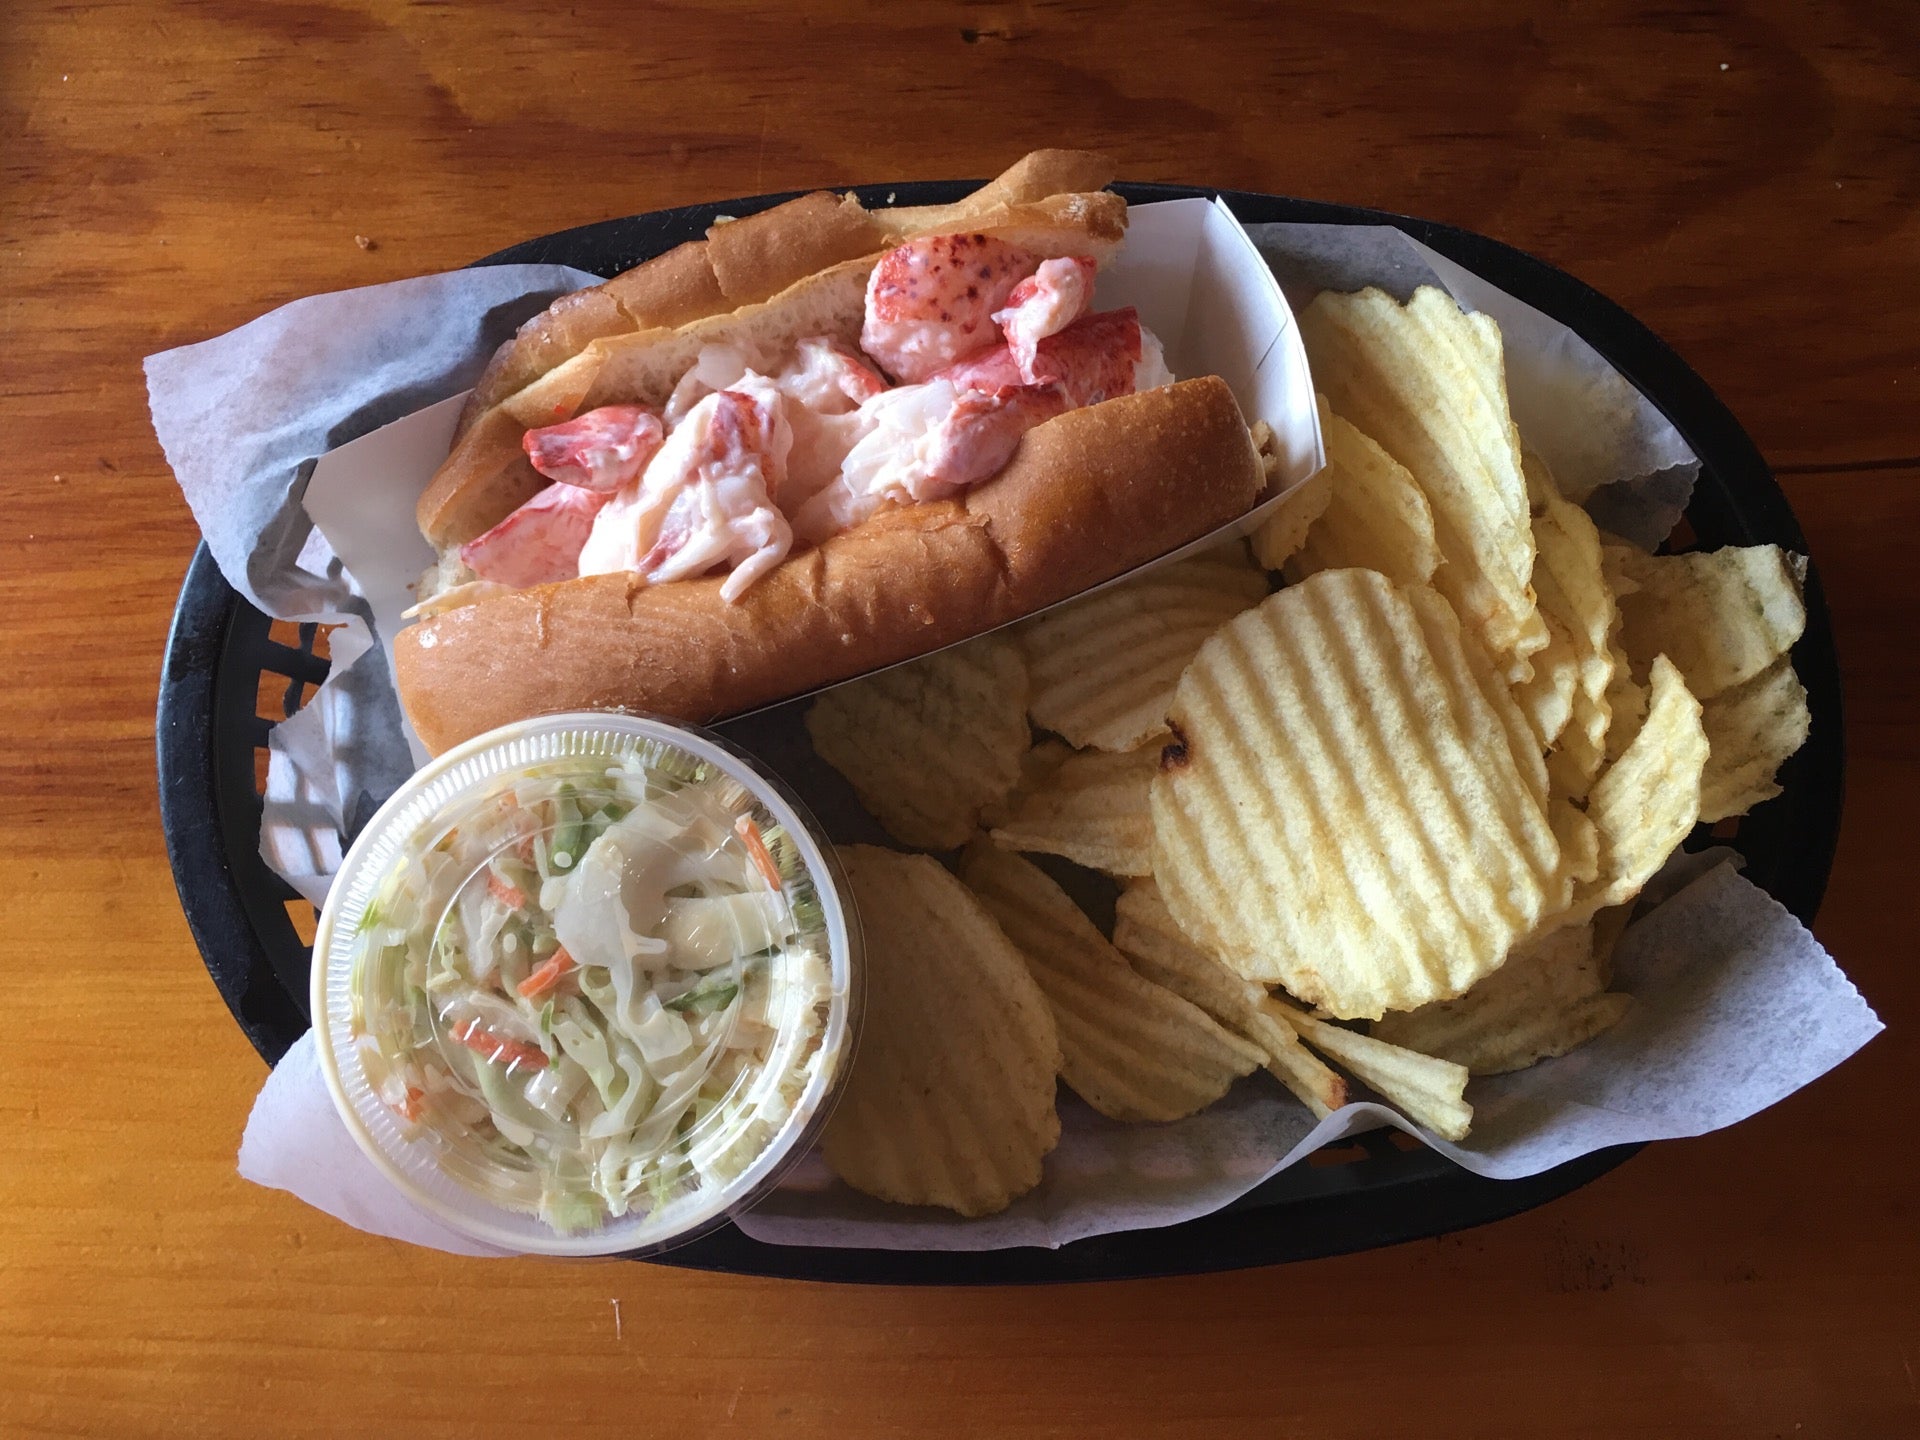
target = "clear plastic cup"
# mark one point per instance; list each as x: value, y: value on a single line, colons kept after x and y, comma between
x: 543, y: 1104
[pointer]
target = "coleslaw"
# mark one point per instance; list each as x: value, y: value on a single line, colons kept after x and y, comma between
x: 595, y: 985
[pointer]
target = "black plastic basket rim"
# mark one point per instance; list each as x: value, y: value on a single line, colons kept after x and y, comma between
x: 210, y: 812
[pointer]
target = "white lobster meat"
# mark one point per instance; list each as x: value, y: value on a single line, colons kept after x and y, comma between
x: 707, y: 498
x: 1044, y: 304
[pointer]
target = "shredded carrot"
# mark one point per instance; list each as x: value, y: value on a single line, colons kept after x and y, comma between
x: 749, y: 834
x: 509, y: 895
x: 409, y: 1108
x: 547, y: 978
x: 489, y: 1046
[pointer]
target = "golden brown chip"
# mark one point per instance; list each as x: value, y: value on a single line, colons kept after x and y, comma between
x: 1426, y: 381
x: 1376, y: 517
x: 1147, y: 934
x: 1751, y: 730
x: 1337, y: 768
x: 1047, y: 755
x: 1093, y: 810
x: 1429, y: 1091
x: 1548, y: 998
x: 1104, y: 667
x: 1130, y: 1048
x: 1285, y: 530
x: 930, y: 745
x: 1649, y: 799
x: 950, y: 1100
x: 1722, y: 616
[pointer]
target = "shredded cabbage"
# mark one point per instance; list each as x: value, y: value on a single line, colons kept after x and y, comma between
x: 584, y: 989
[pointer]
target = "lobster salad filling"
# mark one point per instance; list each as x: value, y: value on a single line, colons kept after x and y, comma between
x: 966, y: 343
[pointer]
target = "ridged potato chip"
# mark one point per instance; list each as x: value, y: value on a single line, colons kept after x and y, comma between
x: 1567, y: 696
x: 1047, y: 755
x: 1722, y: 616
x: 1104, y: 667
x: 1626, y: 706
x: 1547, y: 698
x: 928, y: 746
x: 1430, y: 1091
x: 1285, y: 530
x: 1092, y: 810
x: 1462, y: 656
x: 1337, y: 767
x: 1130, y: 1048
x: 1648, y: 800
x: 1426, y: 381
x: 1147, y: 934
x: 1608, y: 926
x: 1751, y: 730
x: 951, y: 1098
x: 1548, y: 998
x: 1376, y: 516
x: 1579, y: 841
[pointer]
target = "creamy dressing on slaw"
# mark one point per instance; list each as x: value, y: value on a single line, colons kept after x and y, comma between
x: 601, y: 987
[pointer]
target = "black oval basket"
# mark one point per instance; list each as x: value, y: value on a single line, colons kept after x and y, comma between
x: 231, y: 674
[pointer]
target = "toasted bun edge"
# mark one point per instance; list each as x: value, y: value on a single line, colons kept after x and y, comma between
x: 1088, y: 496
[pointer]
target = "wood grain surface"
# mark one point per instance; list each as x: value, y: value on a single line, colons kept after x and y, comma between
x: 1746, y: 179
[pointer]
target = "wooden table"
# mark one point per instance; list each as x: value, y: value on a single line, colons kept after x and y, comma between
x: 1748, y: 182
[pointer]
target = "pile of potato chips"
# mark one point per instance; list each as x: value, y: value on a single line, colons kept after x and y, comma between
x: 1417, y: 785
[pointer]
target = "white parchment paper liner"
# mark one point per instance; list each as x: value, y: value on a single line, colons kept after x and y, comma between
x: 1736, y: 1004
x: 243, y: 419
